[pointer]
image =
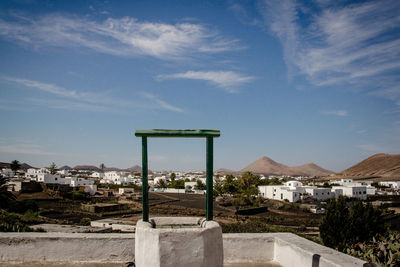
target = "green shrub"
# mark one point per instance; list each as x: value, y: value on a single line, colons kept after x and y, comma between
x: 22, y: 206
x: 30, y: 216
x: 85, y: 221
x: 382, y: 250
x: 10, y: 222
x: 345, y: 225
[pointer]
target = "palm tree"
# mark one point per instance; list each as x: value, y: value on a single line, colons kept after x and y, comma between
x: 5, y: 195
x: 102, y: 166
x: 53, y: 168
x: 15, y: 166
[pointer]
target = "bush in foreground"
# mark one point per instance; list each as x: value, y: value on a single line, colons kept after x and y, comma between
x: 348, y: 222
x: 382, y: 250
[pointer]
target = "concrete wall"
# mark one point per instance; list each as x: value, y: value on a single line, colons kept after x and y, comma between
x: 64, y: 247
x: 82, y: 249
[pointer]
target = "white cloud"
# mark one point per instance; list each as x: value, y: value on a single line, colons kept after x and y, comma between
x: 47, y: 87
x: 340, y: 113
x: 88, y: 101
x: 158, y: 103
x: 227, y: 80
x: 122, y: 37
x: 24, y: 149
x: 330, y: 43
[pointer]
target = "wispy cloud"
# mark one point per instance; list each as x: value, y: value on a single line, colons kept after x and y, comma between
x: 117, y: 36
x: 47, y: 87
x: 340, y: 113
x: 244, y: 15
x: 160, y: 103
x: 331, y: 43
x: 25, y: 149
x: 228, y: 80
x: 88, y: 101
x: 375, y: 148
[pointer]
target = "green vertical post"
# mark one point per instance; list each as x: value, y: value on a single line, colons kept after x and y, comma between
x: 145, y: 195
x: 209, y: 179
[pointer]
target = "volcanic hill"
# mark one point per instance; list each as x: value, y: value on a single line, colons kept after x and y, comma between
x: 268, y: 166
x: 385, y: 165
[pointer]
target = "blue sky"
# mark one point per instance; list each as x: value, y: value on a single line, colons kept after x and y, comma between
x: 298, y: 81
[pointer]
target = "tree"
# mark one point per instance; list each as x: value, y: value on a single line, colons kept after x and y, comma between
x: 5, y: 195
x: 102, y: 166
x: 172, y: 176
x: 229, y: 185
x: 199, y: 185
x: 346, y: 224
x: 53, y: 168
x: 15, y: 166
x: 161, y: 184
x: 178, y: 184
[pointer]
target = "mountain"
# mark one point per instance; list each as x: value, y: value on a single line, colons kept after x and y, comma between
x: 267, y: 166
x: 385, y: 165
x: 86, y: 168
x: 223, y: 171
x: 310, y: 169
x: 65, y: 167
x: 23, y: 166
x: 137, y: 169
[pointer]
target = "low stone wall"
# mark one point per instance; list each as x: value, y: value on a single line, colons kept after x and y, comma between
x: 65, y: 247
x: 286, y: 249
x: 77, y: 249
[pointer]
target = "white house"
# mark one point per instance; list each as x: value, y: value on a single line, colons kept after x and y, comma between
x: 63, y: 172
x: 392, y: 184
x: 319, y: 193
x: 99, y: 175
x: 76, y: 181
x: 122, y: 191
x: 293, y: 184
x: 279, y: 192
x: 33, y: 173
x: 48, y: 178
x: 351, y: 191
x: 7, y: 172
x: 190, y: 185
x: 114, y: 177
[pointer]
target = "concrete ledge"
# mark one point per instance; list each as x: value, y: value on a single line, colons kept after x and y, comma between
x: 66, y: 247
x: 92, y: 249
x: 292, y: 250
x: 254, y: 248
x: 178, y: 241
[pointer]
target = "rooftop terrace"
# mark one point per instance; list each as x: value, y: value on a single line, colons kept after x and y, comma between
x: 94, y: 249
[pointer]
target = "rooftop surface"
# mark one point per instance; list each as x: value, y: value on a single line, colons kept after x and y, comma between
x: 94, y: 249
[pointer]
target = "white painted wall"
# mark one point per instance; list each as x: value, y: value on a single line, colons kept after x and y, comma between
x: 77, y: 249
x: 352, y: 191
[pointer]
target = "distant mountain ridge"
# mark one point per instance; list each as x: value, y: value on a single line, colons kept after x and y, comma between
x: 385, y: 165
x: 23, y: 166
x: 267, y: 166
x: 86, y: 168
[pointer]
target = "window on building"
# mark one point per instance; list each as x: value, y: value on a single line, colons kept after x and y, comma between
x: 281, y: 196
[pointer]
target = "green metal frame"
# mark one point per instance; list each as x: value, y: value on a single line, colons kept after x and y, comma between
x: 208, y: 134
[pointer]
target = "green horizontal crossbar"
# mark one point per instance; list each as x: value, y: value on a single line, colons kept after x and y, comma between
x: 177, y: 133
